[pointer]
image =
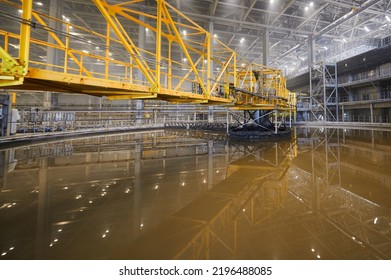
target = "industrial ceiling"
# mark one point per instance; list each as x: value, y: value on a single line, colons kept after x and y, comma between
x: 335, y: 26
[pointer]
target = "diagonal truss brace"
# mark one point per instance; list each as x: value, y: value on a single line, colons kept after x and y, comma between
x: 126, y: 41
x: 183, y: 46
x: 60, y: 43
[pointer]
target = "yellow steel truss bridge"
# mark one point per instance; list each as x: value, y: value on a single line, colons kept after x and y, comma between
x: 182, y: 63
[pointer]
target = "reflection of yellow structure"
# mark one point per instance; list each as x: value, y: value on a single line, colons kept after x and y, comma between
x: 253, y: 189
x: 189, y: 77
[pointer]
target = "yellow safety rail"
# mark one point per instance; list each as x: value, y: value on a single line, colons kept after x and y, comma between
x: 178, y: 61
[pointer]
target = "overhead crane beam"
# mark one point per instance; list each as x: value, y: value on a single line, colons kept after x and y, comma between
x: 79, y: 70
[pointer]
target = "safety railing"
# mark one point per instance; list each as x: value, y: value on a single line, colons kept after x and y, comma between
x: 367, y: 119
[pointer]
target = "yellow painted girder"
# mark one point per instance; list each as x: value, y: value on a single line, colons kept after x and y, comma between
x: 42, y: 74
x: 25, y: 30
x: 131, y: 96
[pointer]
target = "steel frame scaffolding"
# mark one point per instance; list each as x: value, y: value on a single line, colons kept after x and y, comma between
x: 324, y: 92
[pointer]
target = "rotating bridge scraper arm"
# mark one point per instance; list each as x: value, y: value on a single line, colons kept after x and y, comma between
x: 109, y: 62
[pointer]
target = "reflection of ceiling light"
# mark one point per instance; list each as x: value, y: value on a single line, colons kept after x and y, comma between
x: 184, y: 59
x: 311, y: 4
x: 215, y: 35
x: 388, y: 18
x: 366, y: 29
x: 306, y: 8
x: 39, y: 3
x: 184, y: 32
x: 20, y: 11
x: 65, y: 18
x: 242, y: 40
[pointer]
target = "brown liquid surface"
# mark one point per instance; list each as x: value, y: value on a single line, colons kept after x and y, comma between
x: 324, y: 194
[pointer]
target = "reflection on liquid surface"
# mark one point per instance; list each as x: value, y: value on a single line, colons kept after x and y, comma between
x: 325, y: 194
